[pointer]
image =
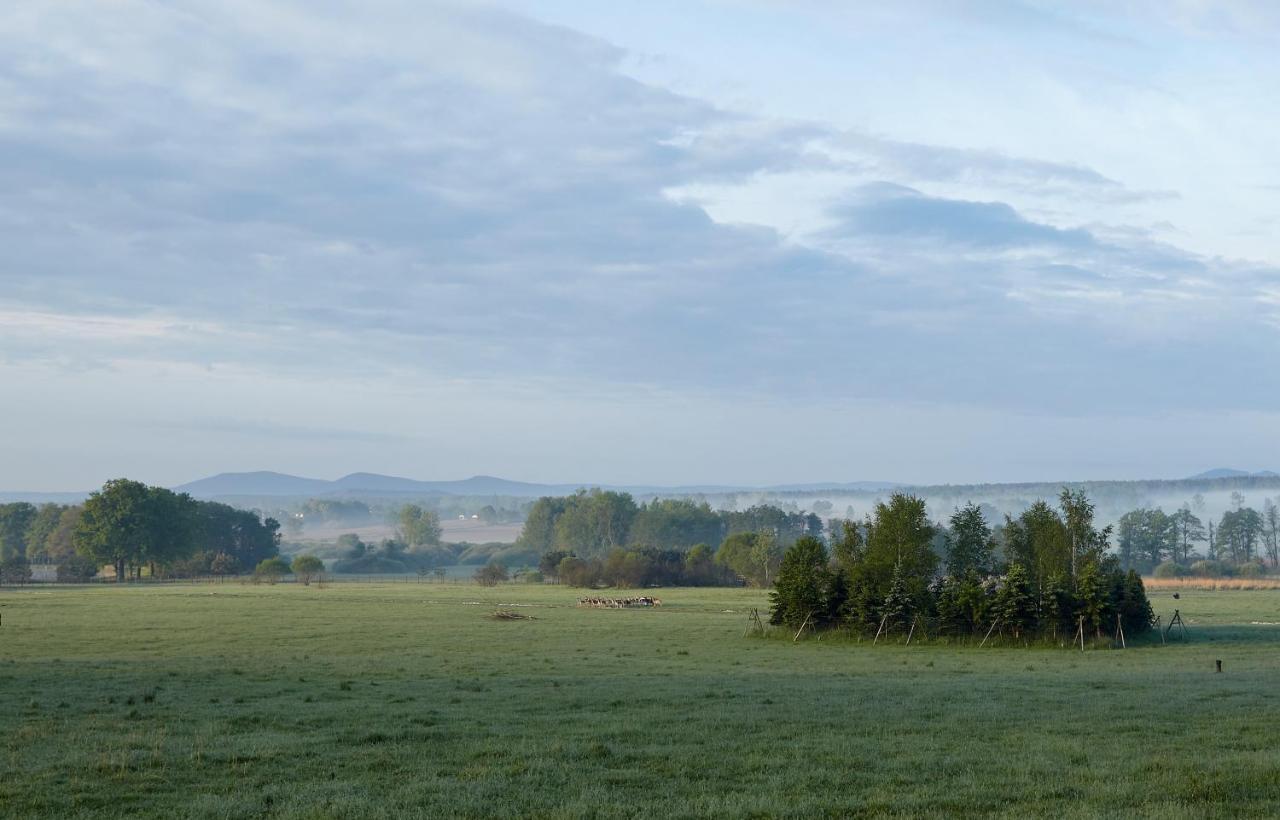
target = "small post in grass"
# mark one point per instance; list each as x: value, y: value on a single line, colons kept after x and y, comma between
x: 1219, y: 663
x: 802, y: 626
x: 1120, y: 632
x: 989, y: 631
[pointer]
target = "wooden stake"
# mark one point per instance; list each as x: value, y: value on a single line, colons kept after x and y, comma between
x: 878, y: 631
x: 1080, y: 634
x: 989, y: 631
x: 912, y: 631
x: 802, y: 626
x: 1120, y: 631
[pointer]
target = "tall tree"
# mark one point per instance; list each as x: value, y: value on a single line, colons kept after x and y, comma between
x: 805, y: 585
x: 127, y: 524
x: 1088, y: 545
x: 539, y: 532
x: 593, y: 522
x: 41, y: 527
x: 899, y: 539
x: 15, y: 519
x: 418, y: 527
x: 675, y: 524
x: 968, y: 542
x: 1188, y: 529
x: 1271, y: 519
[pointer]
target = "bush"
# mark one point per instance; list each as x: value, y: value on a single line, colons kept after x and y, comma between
x: 490, y: 575
x: 1253, y: 569
x: 1169, y: 569
x: 77, y: 568
x: 271, y: 569
x: 223, y: 564
x: 1210, y: 569
x: 307, y: 567
x: 371, y: 565
x: 15, y: 570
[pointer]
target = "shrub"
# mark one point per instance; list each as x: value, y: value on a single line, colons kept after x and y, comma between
x: 223, y: 564
x: 77, y: 568
x: 1209, y: 569
x: 15, y: 570
x: 1169, y: 569
x: 271, y: 569
x: 1253, y: 569
x: 307, y: 567
x: 490, y: 574
x: 371, y: 565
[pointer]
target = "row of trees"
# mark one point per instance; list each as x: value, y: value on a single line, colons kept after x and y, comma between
x: 1052, y: 574
x: 131, y: 526
x: 591, y: 524
x: 750, y: 558
x: 1243, y: 536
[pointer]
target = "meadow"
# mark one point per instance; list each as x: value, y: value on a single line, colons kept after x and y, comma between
x: 409, y: 700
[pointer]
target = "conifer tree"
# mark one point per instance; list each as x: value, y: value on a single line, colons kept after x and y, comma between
x: 899, y: 606
x: 1135, y: 609
x: 803, y: 590
x: 1014, y: 604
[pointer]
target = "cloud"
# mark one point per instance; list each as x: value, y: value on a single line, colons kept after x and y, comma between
x: 886, y: 210
x: 451, y: 191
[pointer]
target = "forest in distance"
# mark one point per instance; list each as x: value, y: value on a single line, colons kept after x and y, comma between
x: 588, y: 538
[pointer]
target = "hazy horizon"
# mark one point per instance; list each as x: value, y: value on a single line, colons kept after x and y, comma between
x: 656, y: 243
x: 818, y: 483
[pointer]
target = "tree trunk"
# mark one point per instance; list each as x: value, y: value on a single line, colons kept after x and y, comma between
x: 120, y: 571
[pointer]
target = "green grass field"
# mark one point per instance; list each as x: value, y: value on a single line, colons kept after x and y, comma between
x: 408, y: 700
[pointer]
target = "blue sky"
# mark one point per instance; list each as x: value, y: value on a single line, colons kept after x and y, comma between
x: 705, y: 241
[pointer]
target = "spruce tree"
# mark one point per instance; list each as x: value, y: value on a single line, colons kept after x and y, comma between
x: 899, y: 605
x: 804, y: 586
x: 1014, y: 604
x: 1135, y: 609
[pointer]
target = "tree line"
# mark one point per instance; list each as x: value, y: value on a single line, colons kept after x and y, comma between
x: 1045, y: 574
x: 593, y: 523
x: 131, y: 526
x: 1243, y: 541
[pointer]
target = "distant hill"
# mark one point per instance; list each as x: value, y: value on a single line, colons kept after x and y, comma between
x: 858, y: 486
x: 262, y: 484
x: 1228, y: 472
x: 256, y: 483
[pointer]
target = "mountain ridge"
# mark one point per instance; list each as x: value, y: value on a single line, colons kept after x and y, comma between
x: 270, y: 483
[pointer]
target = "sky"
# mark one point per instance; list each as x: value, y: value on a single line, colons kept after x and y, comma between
x: 655, y: 242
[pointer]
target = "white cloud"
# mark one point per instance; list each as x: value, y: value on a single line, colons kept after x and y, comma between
x: 440, y: 192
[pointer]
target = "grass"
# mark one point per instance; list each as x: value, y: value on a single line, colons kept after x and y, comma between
x: 412, y: 701
x: 1176, y: 584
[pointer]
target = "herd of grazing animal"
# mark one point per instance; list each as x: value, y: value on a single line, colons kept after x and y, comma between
x: 620, y: 603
